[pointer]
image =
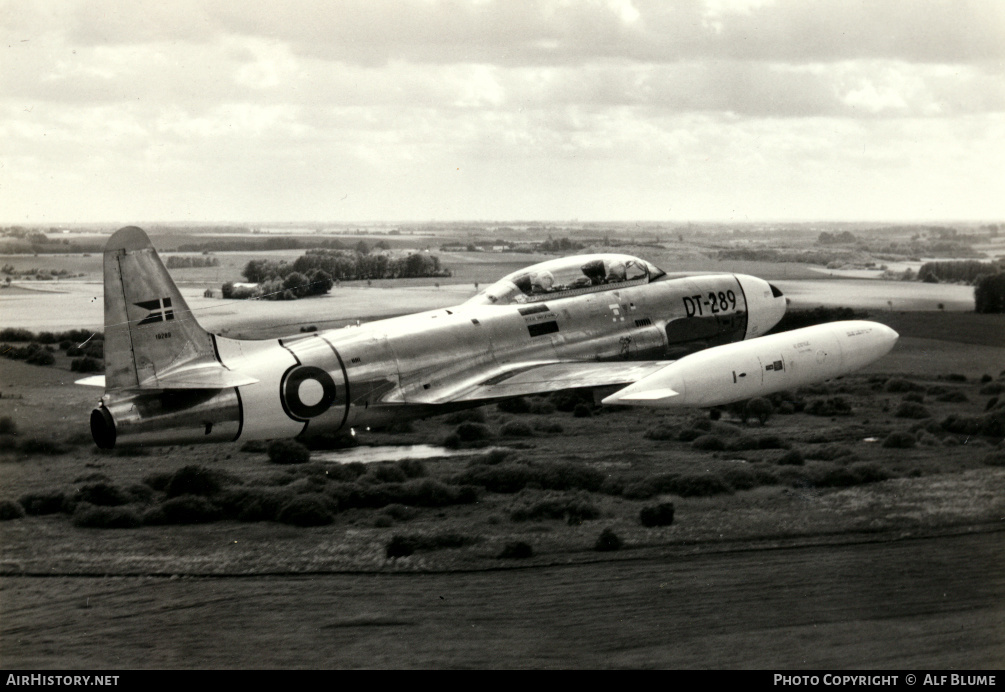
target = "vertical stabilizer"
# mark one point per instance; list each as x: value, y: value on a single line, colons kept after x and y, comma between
x: 149, y: 330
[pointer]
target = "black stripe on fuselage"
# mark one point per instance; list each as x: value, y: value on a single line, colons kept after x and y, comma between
x: 282, y: 399
x: 345, y: 380
x: 746, y: 308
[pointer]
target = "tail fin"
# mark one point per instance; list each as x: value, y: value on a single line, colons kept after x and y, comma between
x: 150, y: 332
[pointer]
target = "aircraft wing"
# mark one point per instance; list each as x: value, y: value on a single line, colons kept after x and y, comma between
x: 520, y: 379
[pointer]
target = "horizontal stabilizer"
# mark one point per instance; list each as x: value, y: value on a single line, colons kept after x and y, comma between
x: 212, y: 376
x: 204, y: 376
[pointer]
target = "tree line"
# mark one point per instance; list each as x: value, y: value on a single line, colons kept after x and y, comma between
x: 315, y: 272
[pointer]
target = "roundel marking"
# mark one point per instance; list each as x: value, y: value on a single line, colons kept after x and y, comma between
x: 312, y: 377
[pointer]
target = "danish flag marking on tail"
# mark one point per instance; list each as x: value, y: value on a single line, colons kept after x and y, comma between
x: 160, y: 310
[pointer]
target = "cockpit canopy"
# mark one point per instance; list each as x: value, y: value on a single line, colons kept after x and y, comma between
x: 568, y: 276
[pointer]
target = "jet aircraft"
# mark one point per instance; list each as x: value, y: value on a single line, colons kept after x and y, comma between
x: 613, y: 323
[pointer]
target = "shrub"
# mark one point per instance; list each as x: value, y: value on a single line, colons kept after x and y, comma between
x: 793, y: 457
x: 516, y: 550
x: 542, y: 408
x: 739, y: 477
x: 992, y: 388
x: 47, y: 502
x: 412, y: 468
x: 910, y: 409
x: 400, y: 512
x: 400, y: 546
x: 896, y: 385
x: 10, y: 509
x: 657, y: 515
x: 192, y: 480
x: 102, y: 494
x: 254, y: 446
x: 384, y: 473
x: 473, y: 415
x: 582, y: 411
x: 185, y: 509
x: 575, y: 510
x: 517, y: 429
x: 253, y: 504
x: 828, y: 452
x: 473, y: 432
x: 306, y: 510
x: 916, y: 397
x: 607, y: 541
x: 996, y: 458
x: 8, y: 426
x: 899, y: 440
x: 663, y: 431
x: 86, y: 364
x: 549, y: 427
x: 759, y: 408
x: 403, y: 545
x: 95, y: 517
x: 158, y: 481
x: 514, y: 405
x: 288, y: 452
x: 41, y: 357
x: 833, y: 406
x: 690, y: 434
x: 709, y: 443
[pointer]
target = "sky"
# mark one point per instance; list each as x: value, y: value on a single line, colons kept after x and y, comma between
x: 130, y: 111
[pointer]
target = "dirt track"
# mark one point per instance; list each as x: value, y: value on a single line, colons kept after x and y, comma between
x: 917, y: 603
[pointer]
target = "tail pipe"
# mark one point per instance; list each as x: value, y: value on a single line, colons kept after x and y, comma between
x: 158, y: 417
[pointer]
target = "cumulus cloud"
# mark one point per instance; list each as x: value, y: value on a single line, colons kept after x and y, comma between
x: 481, y: 108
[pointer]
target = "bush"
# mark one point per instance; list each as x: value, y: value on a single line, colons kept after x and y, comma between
x: 834, y: 406
x: 910, y: 409
x: 516, y: 550
x: 185, y: 509
x: 896, y: 385
x: 253, y: 504
x: 306, y: 510
x: 663, y: 431
x: 473, y: 415
x: 10, y: 509
x: 102, y: 494
x: 828, y: 452
x: 916, y: 397
x: 473, y: 432
x: 517, y: 429
x: 549, y: 427
x: 192, y: 480
x: 404, y: 545
x: 582, y: 411
x: 47, y: 502
x: 86, y: 364
x: 992, y: 388
x: 158, y: 481
x: 996, y: 458
x: 759, y: 408
x: 288, y: 452
x: 8, y: 426
x: 516, y: 405
x: 94, y: 517
x: 41, y: 357
x: 607, y: 541
x: 657, y: 515
x: 899, y: 440
x: 793, y: 457
x: 575, y: 510
x: 709, y: 443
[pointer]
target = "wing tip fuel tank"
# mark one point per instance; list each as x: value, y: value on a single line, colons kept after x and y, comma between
x: 745, y: 369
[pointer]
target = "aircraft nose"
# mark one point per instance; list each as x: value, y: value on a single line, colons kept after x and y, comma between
x: 890, y: 335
